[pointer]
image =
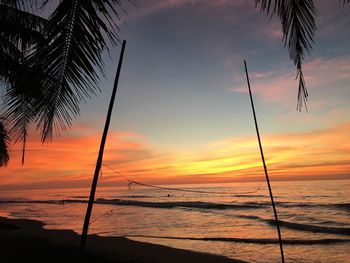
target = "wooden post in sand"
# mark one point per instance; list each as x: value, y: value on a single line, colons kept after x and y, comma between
x: 265, y: 168
x: 100, y: 155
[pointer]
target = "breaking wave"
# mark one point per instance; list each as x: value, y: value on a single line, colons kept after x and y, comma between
x: 186, y: 204
x: 254, y: 240
x: 303, y: 227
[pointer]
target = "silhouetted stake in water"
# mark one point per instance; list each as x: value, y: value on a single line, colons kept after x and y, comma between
x: 100, y: 155
x: 265, y: 168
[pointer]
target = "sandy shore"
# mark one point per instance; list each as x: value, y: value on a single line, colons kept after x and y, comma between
x: 24, y: 240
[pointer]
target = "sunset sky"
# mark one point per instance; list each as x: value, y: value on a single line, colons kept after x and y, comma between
x: 182, y: 113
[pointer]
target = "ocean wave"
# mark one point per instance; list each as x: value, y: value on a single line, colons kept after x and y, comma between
x: 314, y: 228
x: 342, y: 206
x: 339, y: 206
x: 345, y: 206
x: 174, y: 204
x: 302, y: 227
x: 185, y: 204
x: 262, y: 241
x: 122, y: 202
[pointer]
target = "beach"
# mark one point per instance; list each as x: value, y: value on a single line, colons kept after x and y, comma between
x: 23, y: 240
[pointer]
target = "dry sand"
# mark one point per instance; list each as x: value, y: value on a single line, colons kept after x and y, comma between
x: 23, y: 240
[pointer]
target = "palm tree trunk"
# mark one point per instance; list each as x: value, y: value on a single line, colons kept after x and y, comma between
x: 100, y: 156
x: 265, y: 168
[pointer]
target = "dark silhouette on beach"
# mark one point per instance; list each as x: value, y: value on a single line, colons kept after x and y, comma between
x: 4, y: 145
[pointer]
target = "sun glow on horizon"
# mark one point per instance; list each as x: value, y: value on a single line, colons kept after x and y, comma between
x: 71, y: 160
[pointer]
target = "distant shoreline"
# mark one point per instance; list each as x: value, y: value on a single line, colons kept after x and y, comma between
x: 24, y: 240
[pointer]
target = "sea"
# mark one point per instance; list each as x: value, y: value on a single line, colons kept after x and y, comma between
x: 235, y: 220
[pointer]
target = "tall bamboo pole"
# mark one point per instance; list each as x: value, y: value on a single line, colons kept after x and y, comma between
x: 264, y: 164
x: 100, y: 155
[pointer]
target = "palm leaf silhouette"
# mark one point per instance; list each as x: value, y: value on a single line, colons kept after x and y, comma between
x: 49, y: 66
x: 298, y: 26
x: 19, y: 34
x: 75, y: 42
x: 4, y: 144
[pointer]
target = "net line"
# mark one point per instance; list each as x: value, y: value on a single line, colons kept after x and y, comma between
x: 106, y: 214
x: 133, y: 182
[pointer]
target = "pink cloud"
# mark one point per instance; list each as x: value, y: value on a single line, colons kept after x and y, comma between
x: 154, y: 6
x: 273, y: 30
x: 280, y: 86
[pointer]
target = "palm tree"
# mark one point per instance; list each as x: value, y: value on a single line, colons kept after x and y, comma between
x: 20, y: 31
x: 298, y: 26
x: 4, y: 142
x: 48, y: 66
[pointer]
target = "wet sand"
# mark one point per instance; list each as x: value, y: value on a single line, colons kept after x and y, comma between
x: 23, y: 240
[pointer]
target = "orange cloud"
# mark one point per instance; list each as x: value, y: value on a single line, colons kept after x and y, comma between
x: 317, y: 153
x: 69, y: 158
x: 70, y: 161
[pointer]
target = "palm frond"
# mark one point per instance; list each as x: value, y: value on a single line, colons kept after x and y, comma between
x: 4, y: 144
x: 20, y: 100
x: 9, y: 61
x: 22, y: 4
x: 49, y: 67
x: 21, y: 28
x: 270, y: 6
x: 23, y: 94
x: 21, y: 114
x: 20, y: 33
x: 11, y: 3
x: 298, y: 26
x: 76, y: 39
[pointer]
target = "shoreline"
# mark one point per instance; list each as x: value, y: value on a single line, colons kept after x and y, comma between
x: 23, y: 240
